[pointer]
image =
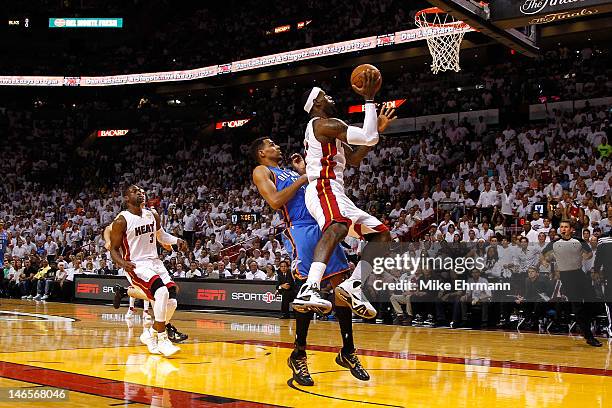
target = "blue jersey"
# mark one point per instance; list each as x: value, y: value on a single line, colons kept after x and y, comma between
x: 295, y: 211
x: 303, y: 232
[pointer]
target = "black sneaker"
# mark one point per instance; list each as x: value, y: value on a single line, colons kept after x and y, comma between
x: 592, y: 341
x: 174, y: 335
x: 299, y: 366
x: 120, y: 293
x: 352, y: 362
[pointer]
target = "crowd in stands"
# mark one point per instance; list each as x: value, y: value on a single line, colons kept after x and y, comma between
x: 491, y: 188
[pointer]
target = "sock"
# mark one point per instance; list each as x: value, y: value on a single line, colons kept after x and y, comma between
x: 362, y: 266
x: 302, y: 322
x: 171, y: 307
x: 161, y: 304
x: 132, y: 300
x: 345, y: 318
x: 315, y: 274
x: 146, y: 304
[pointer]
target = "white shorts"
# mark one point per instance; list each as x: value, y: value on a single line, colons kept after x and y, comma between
x: 146, y: 273
x: 327, y: 203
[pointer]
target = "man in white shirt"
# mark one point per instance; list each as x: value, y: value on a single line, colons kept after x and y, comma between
x: 189, y: 226
x: 487, y: 200
x: 427, y: 211
x: 51, y: 248
x: 554, y: 191
x: 529, y: 233
x: 254, y: 273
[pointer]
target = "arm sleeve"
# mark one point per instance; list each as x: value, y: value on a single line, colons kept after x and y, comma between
x: 166, y: 239
x: 368, y: 135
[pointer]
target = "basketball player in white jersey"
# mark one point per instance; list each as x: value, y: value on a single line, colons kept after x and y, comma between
x: 133, y: 246
x: 328, y: 149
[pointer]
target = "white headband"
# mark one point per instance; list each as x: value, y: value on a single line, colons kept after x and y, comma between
x: 310, y: 101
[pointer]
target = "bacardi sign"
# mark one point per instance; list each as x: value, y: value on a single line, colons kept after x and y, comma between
x: 112, y: 132
x: 232, y: 123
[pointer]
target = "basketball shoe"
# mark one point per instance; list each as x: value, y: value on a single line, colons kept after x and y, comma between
x: 299, y: 367
x: 309, y: 299
x: 164, y: 345
x: 351, y: 361
x: 174, y: 335
x: 350, y: 292
x: 149, y: 339
x: 120, y: 293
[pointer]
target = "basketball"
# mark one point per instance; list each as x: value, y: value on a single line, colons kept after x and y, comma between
x: 357, y: 75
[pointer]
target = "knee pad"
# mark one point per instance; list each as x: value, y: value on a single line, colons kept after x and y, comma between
x: 172, y: 302
x: 158, y: 286
x: 172, y: 292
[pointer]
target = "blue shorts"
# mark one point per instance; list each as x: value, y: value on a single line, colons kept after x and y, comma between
x: 300, y: 241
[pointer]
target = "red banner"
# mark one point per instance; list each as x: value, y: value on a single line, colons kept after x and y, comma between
x: 361, y: 108
x: 112, y: 132
x: 232, y: 123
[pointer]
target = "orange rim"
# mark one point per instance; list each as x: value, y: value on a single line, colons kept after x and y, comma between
x: 436, y: 10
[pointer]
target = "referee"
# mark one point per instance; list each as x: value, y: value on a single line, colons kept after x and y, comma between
x: 603, y: 265
x: 569, y: 252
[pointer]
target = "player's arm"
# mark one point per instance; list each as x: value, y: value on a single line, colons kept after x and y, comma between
x: 117, y: 231
x: 165, y: 239
x: 354, y: 155
x: 267, y: 189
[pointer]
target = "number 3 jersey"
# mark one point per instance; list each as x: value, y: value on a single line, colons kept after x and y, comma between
x: 139, y: 241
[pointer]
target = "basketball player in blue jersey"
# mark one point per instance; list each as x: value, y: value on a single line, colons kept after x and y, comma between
x: 283, y: 190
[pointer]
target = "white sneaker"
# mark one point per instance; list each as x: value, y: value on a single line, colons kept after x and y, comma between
x: 30, y: 297
x: 149, y: 339
x: 309, y: 299
x: 350, y: 292
x: 129, y: 314
x: 37, y: 297
x: 24, y: 297
x: 165, y: 346
x: 45, y: 297
x: 147, y: 317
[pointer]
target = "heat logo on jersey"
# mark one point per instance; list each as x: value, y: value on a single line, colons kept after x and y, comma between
x: 144, y: 229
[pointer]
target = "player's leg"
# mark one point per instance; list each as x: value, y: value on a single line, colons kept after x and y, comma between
x: 298, y: 361
x: 131, y: 308
x: 300, y: 245
x: 322, y: 204
x: 174, y: 335
x: 347, y: 357
x: 378, y: 236
x: 161, y: 297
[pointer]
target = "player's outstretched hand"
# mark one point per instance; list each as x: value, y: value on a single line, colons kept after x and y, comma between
x: 385, y: 117
x: 297, y: 161
x: 182, y: 245
x: 368, y: 89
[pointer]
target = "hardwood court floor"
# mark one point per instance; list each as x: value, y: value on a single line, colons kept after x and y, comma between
x: 240, y: 361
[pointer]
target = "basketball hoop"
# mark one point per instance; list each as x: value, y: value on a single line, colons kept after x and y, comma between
x: 444, y: 34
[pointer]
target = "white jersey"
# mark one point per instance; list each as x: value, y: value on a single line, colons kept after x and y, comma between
x: 139, y: 241
x: 323, y: 160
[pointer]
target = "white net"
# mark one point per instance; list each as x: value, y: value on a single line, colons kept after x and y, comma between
x: 443, y: 34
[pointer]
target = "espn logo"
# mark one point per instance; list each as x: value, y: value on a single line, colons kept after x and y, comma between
x: 88, y: 288
x: 211, y: 294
